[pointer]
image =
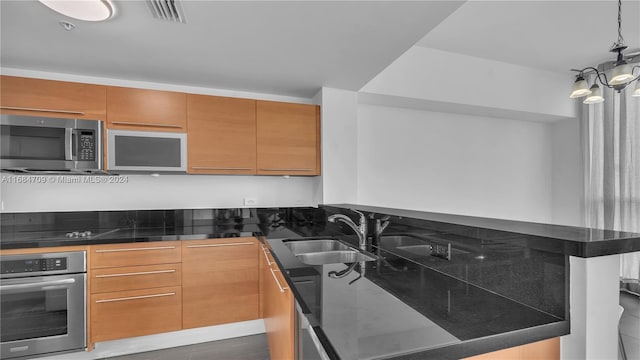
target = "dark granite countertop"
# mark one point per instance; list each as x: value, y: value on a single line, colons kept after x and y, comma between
x: 400, y: 309
x: 567, y: 240
x: 501, y: 289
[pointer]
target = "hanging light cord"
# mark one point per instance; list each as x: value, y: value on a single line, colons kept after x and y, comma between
x: 620, y: 38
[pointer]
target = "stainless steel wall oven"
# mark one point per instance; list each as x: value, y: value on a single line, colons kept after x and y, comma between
x: 42, y: 303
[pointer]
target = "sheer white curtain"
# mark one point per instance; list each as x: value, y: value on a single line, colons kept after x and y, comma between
x: 611, y: 145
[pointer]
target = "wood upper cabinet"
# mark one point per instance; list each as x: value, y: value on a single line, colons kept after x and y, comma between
x: 148, y: 110
x: 278, y: 311
x: 220, y: 281
x: 221, y: 135
x: 288, y: 138
x: 37, y: 97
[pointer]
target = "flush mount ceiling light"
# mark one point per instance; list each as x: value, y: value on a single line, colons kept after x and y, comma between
x: 621, y: 76
x: 87, y: 10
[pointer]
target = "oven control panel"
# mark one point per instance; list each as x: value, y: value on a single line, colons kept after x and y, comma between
x: 26, y: 266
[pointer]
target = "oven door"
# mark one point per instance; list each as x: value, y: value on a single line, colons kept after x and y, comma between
x: 42, y: 314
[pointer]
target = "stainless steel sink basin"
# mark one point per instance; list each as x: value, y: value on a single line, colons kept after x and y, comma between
x: 325, y: 251
x: 314, y: 246
x: 333, y: 257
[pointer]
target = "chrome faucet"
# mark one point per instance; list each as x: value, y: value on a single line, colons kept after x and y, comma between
x: 360, y: 229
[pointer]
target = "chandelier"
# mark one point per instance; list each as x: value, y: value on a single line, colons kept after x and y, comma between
x: 621, y: 76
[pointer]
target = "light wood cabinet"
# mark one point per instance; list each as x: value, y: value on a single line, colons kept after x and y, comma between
x: 118, y: 315
x: 220, y: 281
x: 542, y: 350
x: 221, y: 135
x: 135, y: 289
x: 147, y: 110
x: 278, y: 310
x: 37, y: 97
x: 135, y: 254
x: 288, y: 138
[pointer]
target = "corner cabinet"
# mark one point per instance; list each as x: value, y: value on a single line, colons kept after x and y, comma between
x: 288, y: 138
x: 38, y: 97
x: 222, y: 135
x: 220, y: 281
x: 278, y: 309
x: 147, y: 110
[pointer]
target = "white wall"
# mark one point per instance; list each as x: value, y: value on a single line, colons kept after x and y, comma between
x: 567, y: 178
x: 454, y: 163
x: 163, y: 192
x: 339, y: 146
x: 490, y: 87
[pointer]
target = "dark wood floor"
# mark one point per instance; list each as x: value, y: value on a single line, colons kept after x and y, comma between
x: 244, y: 348
x: 255, y: 347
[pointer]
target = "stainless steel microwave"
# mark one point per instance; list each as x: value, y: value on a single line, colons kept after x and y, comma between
x: 146, y: 151
x: 34, y: 144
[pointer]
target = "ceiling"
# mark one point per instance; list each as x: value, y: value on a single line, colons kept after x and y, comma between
x: 549, y: 35
x: 277, y: 47
x: 293, y: 48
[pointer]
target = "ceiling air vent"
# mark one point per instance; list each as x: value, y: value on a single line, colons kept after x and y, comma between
x: 168, y: 10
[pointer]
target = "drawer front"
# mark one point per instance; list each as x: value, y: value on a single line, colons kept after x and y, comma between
x: 135, y: 277
x: 133, y: 254
x: 124, y: 314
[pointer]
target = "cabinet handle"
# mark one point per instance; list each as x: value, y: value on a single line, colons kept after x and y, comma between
x: 136, y: 249
x: 273, y: 273
x: 264, y: 251
x: 220, y: 245
x: 42, y: 110
x: 146, y: 124
x: 135, y: 297
x: 218, y: 168
x: 279, y: 169
x: 137, y: 273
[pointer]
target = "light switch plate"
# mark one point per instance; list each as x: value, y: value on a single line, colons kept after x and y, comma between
x: 249, y: 201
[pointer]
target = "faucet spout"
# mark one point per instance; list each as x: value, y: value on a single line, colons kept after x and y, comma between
x: 360, y: 229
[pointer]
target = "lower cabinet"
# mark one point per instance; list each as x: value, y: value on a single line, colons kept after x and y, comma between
x: 546, y: 349
x: 278, y: 310
x: 122, y: 314
x: 220, y: 281
x: 135, y: 289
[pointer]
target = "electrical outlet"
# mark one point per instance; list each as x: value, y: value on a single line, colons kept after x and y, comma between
x: 250, y: 201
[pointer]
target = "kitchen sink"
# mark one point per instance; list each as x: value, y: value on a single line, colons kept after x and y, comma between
x: 314, y: 246
x: 333, y: 257
x: 325, y: 251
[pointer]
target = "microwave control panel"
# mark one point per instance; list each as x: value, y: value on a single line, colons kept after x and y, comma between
x: 87, y: 146
x: 33, y: 265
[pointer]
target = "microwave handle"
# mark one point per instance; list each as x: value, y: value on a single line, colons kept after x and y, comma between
x: 70, y: 144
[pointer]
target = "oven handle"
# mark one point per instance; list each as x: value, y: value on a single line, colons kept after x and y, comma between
x: 42, y: 284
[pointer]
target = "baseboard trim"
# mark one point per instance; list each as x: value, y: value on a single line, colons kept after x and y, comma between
x: 165, y: 340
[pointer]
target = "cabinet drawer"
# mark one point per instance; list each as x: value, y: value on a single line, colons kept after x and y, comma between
x: 125, y: 314
x: 135, y: 277
x: 115, y: 255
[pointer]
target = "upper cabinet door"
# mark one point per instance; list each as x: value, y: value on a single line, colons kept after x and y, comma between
x: 288, y: 138
x: 142, y: 109
x: 27, y: 96
x: 222, y: 135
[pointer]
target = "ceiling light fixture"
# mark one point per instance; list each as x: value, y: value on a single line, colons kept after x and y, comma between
x: 621, y: 76
x: 87, y: 10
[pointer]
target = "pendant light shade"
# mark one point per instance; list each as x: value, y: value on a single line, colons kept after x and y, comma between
x: 87, y: 10
x: 596, y: 95
x: 580, y: 88
x: 621, y: 74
